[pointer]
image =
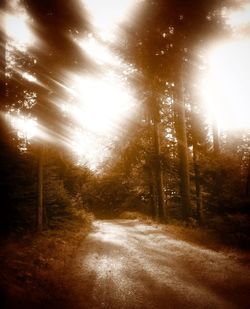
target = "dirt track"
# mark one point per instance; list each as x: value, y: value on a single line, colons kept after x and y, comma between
x: 127, y: 264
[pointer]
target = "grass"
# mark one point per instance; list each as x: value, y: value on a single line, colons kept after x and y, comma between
x: 32, y: 267
x: 221, y: 234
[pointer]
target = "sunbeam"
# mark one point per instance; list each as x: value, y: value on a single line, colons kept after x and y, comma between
x: 226, y: 88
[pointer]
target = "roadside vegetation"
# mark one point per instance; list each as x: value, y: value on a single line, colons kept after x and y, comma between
x: 33, y: 266
x: 165, y: 162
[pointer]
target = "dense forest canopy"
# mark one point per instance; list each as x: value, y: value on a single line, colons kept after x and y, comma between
x: 113, y: 106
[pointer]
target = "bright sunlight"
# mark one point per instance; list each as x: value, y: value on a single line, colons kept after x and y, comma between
x: 239, y: 18
x: 227, y: 85
x: 226, y: 88
x: 19, y: 37
x: 105, y: 15
x: 102, y: 103
x: 17, y: 29
x: 27, y: 128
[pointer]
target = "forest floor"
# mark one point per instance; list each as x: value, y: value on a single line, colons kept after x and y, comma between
x: 33, y: 265
x: 125, y: 264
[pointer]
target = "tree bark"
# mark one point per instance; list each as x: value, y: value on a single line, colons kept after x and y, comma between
x: 40, y: 206
x: 196, y: 165
x: 159, y: 173
x: 152, y: 193
x: 197, y: 176
x: 248, y: 180
x: 216, y: 139
x: 180, y: 126
x: 2, y: 62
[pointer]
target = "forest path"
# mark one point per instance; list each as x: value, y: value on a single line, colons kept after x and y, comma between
x: 132, y: 265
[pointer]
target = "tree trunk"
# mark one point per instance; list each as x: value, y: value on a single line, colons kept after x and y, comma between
x: 248, y: 180
x: 153, y: 200
x: 180, y: 126
x: 2, y: 62
x: 197, y: 176
x: 196, y: 165
x: 40, y: 206
x: 159, y: 173
x: 216, y: 139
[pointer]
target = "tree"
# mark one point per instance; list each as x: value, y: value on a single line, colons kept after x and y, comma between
x: 57, y: 25
x: 2, y: 61
x: 168, y: 35
x: 181, y: 134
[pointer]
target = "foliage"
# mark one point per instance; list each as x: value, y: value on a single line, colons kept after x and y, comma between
x: 164, y: 50
x: 105, y: 195
x: 17, y: 186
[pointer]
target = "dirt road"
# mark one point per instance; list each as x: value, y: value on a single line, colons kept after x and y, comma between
x: 127, y: 264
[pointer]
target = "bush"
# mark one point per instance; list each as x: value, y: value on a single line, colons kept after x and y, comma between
x: 232, y: 229
x: 135, y: 215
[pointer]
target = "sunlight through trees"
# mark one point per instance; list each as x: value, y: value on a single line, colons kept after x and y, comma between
x: 141, y: 94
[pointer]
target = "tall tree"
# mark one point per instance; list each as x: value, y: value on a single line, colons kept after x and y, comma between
x: 2, y: 60
x: 57, y: 26
x: 168, y: 34
x: 181, y: 134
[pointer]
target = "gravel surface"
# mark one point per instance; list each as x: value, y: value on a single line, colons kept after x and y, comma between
x: 128, y: 264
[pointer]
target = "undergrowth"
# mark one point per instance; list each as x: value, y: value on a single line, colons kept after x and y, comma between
x: 32, y: 266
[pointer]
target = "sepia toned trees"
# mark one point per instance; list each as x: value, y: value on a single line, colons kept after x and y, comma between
x: 171, y: 163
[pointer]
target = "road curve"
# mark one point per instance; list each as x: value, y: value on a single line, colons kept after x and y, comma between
x: 131, y: 265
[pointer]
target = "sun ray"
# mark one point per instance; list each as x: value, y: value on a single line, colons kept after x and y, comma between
x: 226, y: 88
x: 239, y: 18
x: 106, y: 15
